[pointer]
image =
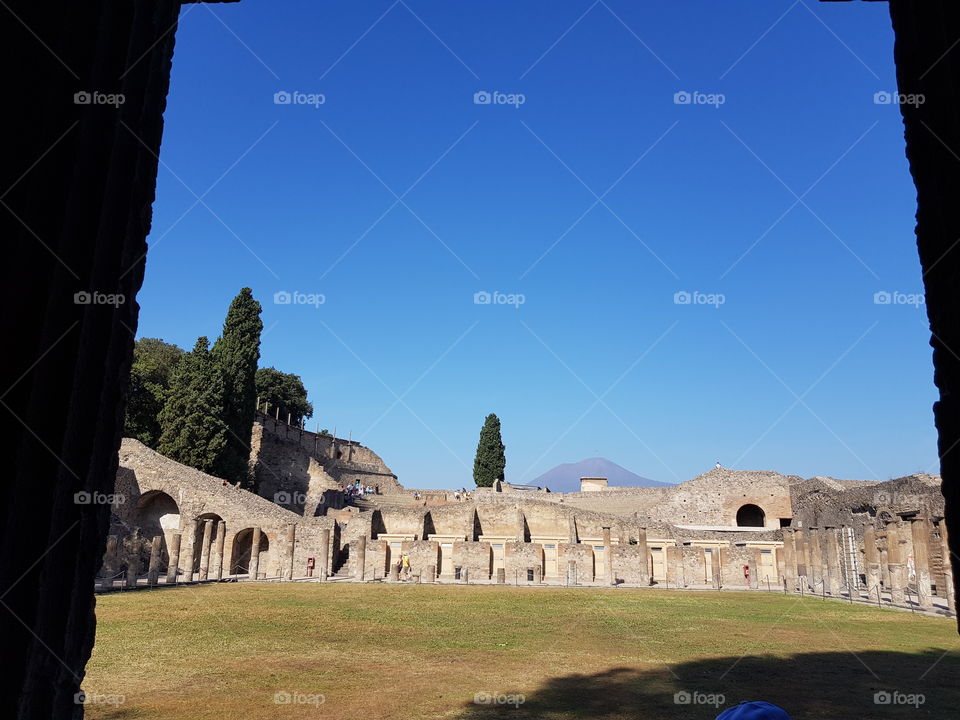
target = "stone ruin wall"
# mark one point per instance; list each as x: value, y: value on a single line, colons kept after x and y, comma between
x: 294, y: 468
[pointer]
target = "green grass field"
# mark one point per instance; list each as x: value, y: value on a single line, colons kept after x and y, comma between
x: 379, y: 652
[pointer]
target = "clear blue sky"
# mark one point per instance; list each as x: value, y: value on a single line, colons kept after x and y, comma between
x: 799, y: 370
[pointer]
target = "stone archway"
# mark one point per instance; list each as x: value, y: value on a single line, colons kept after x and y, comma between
x: 157, y: 513
x: 214, y: 558
x: 750, y: 515
x: 240, y: 555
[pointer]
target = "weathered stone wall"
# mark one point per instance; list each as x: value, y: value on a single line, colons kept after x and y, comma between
x: 581, y: 556
x: 475, y: 557
x: 518, y: 557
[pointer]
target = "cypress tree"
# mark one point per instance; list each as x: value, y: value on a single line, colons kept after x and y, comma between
x: 236, y: 353
x: 191, y: 431
x: 490, y: 461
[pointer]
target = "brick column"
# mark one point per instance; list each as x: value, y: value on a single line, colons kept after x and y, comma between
x: 572, y: 530
x: 895, y: 563
x: 324, y: 558
x: 920, y: 530
x: 289, y: 544
x: 789, y: 560
x: 133, y: 563
x: 644, y: 552
x: 205, y: 549
x: 833, y: 561
x: 800, y: 542
x: 815, y: 560
x: 360, y: 548
x: 186, y: 554
x: 173, y: 561
x: 871, y: 558
x: 218, y: 550
x: 153, y: 570
x: 608, y: 555
x: 253, y: 571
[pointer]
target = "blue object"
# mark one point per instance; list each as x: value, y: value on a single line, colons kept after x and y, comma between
x: 757, y: 710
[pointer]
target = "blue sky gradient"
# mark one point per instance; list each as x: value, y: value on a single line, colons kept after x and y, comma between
x: 598, y: 200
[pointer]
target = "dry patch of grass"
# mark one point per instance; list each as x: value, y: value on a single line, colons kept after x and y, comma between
x: 385, y: 652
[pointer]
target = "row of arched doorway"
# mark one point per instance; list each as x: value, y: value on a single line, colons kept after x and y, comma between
x: 157, y: 513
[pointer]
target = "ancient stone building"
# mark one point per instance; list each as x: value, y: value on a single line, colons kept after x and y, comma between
x: 722, y: 529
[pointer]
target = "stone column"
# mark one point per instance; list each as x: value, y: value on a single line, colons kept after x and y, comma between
x: 800, y: 543
x: 111, y: 552
x: 608, y: 556
x: 884, y: 569
x: 789, y: 560
x: 186, y: 555
x: 324, y: 553
x: 173, y: 561
x: 947, y: 568
x: 288, y: 549
x: 833, y: 561
x: 360, y: 549
x: 253, y: 571
x: 153, y: 571
x: 895, y: 563
x: 521, y: 526
x: 670, y: 560
x: 920, y: 529
x: 133, y: 563
x: 871, y: 558
x: 218, y: 550
x: 572, y: 530
x: 205, y: 549
x: 644, y: 552
x: 815, y: 559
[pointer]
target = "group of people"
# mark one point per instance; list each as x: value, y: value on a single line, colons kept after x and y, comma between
x: 357, y: 489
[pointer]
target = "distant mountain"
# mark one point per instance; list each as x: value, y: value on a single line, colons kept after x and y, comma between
x: 566, y: 477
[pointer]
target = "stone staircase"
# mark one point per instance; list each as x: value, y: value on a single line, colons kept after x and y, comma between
x: 377, y: 502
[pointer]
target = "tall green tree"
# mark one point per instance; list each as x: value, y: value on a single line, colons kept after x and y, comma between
x: 153, y: 363
x: 489, y: 464
x: 285, y: 391
x: 236, y: 353
x: 192, y: 431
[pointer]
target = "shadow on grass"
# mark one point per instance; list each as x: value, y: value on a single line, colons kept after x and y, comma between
x: 809, y: 686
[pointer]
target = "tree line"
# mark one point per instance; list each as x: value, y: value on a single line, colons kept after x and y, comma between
x: 198, y: 407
